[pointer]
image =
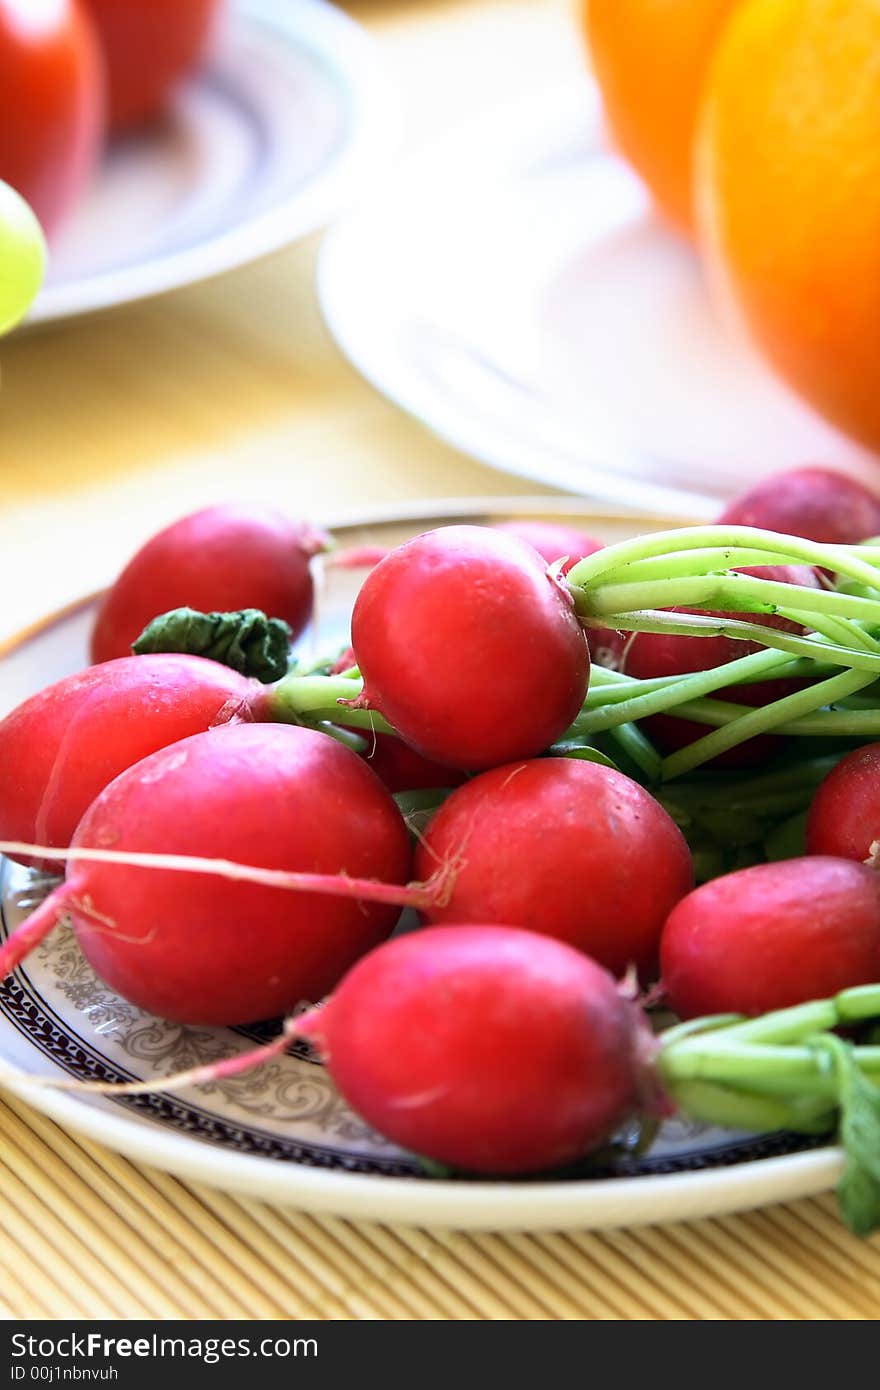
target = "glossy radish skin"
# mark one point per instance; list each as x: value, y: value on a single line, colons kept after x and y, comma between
x: 469, y: 647
x: 844, y: 817
x: 772, y: 936
x: 401, y: 769
x: 217, y: 560
x: 62, y: 746
x: 196, y: 948
x: 566, y: 848
x: 552, y: 540
x: 819, y: 504
x: 486, y: 1048
x: 649, y: 654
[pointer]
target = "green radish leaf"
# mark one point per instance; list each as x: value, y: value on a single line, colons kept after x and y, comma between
x: 246, y: 640
x: 583, y: 754
x: 786, y: 840
x: 731, y: 828
x: 858, y: 1191
x: 347, y: 737
x: 709, y: 862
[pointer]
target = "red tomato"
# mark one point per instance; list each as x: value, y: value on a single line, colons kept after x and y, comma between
x: 149, y: 46
x: 51, y: 103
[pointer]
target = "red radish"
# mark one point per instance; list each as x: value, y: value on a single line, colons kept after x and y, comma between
x: 61, y: 747
x: 469, y: 647
x: 198, y: 948
x: 357, y: 557
x: 487, y: 1048
x: 217, y: 560
x: 607, y: 646
x: 402, y: 769
x: 567, y: 848
x: 649, y: 654
x: 344, y: 662
x: 819, y: 504
x: 149, y: 47
x: 552, y: 540
x: 844, y: 818
x: 772, y: 936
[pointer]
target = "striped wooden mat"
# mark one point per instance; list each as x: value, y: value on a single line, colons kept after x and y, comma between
x: 87, y: 1234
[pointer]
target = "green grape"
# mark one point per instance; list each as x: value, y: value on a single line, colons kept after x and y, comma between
x: 22, y: 257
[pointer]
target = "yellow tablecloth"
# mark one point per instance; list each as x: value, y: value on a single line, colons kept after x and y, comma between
x: 113, y: 426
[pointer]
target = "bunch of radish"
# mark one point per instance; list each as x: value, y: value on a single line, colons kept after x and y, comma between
x: 236, y: 841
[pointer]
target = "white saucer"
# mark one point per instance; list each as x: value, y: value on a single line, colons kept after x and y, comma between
x: 513, y: 290
x: 281, y: 129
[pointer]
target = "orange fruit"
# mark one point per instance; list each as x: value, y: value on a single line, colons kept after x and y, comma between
x: 788, y: 192
x: 650, y: 58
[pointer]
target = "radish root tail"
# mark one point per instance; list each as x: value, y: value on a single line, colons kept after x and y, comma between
x: 293, y: 1028
x: 434, y: 892
x: 340, y: 885
x: 32, y: 931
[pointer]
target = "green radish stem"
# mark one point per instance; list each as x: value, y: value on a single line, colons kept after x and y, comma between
x: 700, y: 625
x: 639, y: 749
x: 684, y: 564
x: 730, y: 592
x: 347, y: 737
x: 690, y: 687
x: 690, y: 1049
x: 755, y: 790
x: 842, y: 632
x: 789, y: 1069
x: 846, y: 633
x: 856, y: 562
x: 366, y: 719
x: 308, y: 699
x: 324, y: 699
x: 840, y: 722
x: 610, y: 687
x: 737, y: 1109
x: 762, y: 720
x: 298, y: 694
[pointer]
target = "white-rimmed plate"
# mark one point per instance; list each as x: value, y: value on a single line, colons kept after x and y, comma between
x: 282, y: 1133
x: 283, y: 126
x: 512, y: 289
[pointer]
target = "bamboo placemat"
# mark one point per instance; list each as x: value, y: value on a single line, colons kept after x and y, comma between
x: 87, y: 1234
x: 112, y: 427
